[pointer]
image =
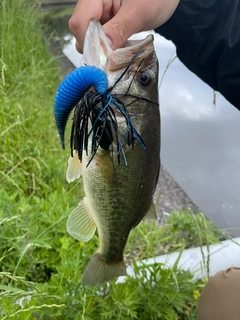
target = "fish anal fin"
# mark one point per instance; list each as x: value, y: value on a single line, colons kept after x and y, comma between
x: 80, y: 224
x: 74, y: 168
x: 151, y: 214
x: 98, y: 270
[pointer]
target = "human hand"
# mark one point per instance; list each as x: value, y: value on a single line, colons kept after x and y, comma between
x: 120, y: 18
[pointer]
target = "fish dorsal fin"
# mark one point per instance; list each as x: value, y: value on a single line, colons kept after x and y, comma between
x: 74, y: 168
x: 151, y: 214
x: 80, y: 224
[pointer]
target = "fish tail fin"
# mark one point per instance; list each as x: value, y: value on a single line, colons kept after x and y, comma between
x: 99, y: 271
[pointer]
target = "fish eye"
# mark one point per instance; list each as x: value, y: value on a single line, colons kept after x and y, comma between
x: 145, y: 78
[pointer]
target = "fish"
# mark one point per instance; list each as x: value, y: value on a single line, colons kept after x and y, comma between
x: 120, y: 165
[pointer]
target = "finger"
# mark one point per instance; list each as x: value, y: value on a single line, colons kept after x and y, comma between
x: 84, y: 11
x: 129, y: 19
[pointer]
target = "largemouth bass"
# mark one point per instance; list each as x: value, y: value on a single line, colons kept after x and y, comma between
x: 119, y: 180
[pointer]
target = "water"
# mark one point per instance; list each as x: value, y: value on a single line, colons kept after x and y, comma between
x: 200, y: 141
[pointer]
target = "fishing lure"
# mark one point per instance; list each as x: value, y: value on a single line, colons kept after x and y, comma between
x: 96, y: 107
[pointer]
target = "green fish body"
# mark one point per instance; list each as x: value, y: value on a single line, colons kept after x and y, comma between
x: 118, y: 196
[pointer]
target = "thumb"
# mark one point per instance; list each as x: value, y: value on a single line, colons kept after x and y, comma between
x: 125, y: 23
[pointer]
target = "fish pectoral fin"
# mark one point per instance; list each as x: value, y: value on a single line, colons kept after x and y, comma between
x: 151, y: 214
x: 80, y: 224
x: 74, y: 168
x: 99, y: 270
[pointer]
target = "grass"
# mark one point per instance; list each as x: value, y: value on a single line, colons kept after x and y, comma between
x: 40, y: 264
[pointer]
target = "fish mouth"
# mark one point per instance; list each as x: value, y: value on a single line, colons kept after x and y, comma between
x: 97, y: 51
